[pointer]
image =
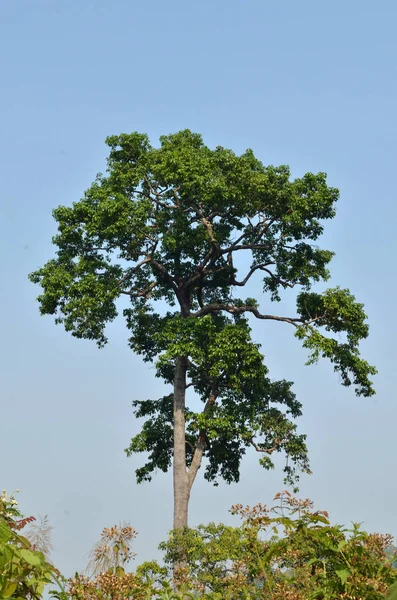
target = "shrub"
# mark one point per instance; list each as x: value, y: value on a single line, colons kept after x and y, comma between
x: 288, y: 552
x: 24, y: 570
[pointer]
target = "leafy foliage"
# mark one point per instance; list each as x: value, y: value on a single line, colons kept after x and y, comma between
x: 109, y: 579
x: 24, y: 570
x: 289, y: 552
x: 241, y: 403
x: 178, y: 230
x: 392, y: 592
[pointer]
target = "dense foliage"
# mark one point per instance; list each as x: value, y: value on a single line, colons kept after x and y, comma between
x: 243, y: 408
x: 179, y: 231
x: 288, y: 552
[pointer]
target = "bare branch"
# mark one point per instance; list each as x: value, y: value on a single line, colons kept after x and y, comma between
x: 206, y: 259
x: 239, y: 239
x: 109, y: 248
x: 175, y: 194
x: 253, y: 246
x: 200, y: 297
x: 158, y: 195
x: 133, y: 270
x: 260, y: 228
x: 143, y: 293
x: 235, y: 310
x: 160, y: 270
x: 263, y: 267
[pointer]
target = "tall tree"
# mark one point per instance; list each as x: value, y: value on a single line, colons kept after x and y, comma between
x: 171, y: 228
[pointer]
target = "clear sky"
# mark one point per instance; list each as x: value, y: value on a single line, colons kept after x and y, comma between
x: 310, y: 84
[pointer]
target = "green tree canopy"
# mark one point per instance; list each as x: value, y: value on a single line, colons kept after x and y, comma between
x: 179, y: 230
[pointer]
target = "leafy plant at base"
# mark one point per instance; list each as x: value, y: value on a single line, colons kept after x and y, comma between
x: 289, y: 552
x: 166, y: 228
x: 24, y: 571
x: 392, y: 592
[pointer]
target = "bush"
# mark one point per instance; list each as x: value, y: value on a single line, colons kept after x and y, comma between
x: 24, y: 570
x: 290, y: 552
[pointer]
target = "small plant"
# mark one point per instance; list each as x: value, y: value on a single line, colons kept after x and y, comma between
x: 113, y: 550
x: 24, y: 570
x: 110, y: 581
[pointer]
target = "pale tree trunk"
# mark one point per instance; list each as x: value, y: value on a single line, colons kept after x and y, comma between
x: 183, y: 477
x: 181, y: 480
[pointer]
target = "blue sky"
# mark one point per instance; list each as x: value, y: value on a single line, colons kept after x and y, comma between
x: 308, y: 84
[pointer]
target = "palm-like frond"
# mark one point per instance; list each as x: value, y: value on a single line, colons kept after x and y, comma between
x: 113, y: 549
x: 40, y: 535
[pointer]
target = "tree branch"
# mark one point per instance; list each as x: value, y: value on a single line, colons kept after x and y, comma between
x: 235, y: 310
x: 133, y: 270
x: 246, y: 247
x: 158, y: 195
x: 212, y: 254
x: 201, y: 443
x: 159, y: 268
x: 200, y: 297
x: 259, y: 228
x: 143, y: 293
x: 277, y: 444
x: 262, y: 267
x: 202, y: 273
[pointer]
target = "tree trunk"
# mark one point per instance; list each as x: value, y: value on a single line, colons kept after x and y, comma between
x: 181, y: 481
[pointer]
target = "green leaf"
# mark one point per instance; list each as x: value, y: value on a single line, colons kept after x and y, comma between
x: 392, y: 595
x: 343, y: 575
x: 31, y: 557
x: 5, y: 532
x: 9, y: 590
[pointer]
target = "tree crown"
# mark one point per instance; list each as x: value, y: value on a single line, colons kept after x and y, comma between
x: 178, y: 230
